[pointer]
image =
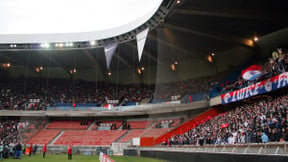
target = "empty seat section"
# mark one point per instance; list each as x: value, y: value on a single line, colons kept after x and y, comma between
x: 139, y: 124
x: 156, y: 132
x: 68, y: 125
x: 133, y: 134
x: 44, y: 136
x: 89, y: 137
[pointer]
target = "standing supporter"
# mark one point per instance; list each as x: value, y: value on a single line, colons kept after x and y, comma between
x: 44, y: 150
x: 18, y: 149
x: 30, y: 149
x: 264, y: 138
x: 69, y: 151
x: 6, y: 151
x: 35, y: 148
x: 1, y: 151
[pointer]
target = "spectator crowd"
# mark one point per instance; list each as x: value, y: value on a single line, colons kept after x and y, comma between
x: 261, y: 121
x: 275, y: 65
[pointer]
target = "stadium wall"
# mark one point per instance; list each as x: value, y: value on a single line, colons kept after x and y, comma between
x: 210, y: 157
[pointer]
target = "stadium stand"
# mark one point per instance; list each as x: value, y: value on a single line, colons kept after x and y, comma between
x: 139, y: 124
x: 90, y: 137
x: 264, y: 120
x: 69, y: 124
x: 43, y: 137
x: 135, y: 133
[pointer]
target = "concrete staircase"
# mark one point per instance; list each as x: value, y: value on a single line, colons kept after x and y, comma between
x: 91, y: 125
x: 122, y: 136
x: 56, y: 138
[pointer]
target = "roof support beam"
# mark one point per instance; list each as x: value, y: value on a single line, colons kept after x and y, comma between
x: 229, y: 13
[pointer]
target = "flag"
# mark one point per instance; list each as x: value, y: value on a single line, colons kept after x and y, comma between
x: 141, y: 39
x: 251, y: 73
x: 109, y: 50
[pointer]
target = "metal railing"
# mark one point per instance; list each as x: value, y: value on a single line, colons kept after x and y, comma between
x: 254, y: 149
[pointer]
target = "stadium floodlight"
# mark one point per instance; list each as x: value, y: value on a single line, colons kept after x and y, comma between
x: 45, y: 45
x: 13, y: 45
x: 92, y: 43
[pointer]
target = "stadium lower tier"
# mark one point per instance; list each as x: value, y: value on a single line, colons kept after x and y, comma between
x: 90, y: 137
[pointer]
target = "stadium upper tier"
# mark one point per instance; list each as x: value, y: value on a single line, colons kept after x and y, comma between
x: 40, y: 93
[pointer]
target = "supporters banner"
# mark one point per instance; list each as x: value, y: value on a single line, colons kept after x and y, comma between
x: 251, y: 73
x: 104, y: 158
x: 141, y: 39
x: 262, y: 87
x: 109, y: 50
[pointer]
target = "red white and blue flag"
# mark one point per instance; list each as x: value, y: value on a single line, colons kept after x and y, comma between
x: 252, y: 73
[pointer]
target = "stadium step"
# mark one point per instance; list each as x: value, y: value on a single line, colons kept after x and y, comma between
x: 91, y: 125
x: 46, y: 125
x: 151, y: 125
x: 122, y: 136
x: 56, y: 138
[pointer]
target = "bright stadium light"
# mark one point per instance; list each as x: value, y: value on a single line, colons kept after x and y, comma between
x: 92, y: 43
x: 45, y: 45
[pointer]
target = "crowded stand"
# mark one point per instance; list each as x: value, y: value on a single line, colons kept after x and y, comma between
x: 38, y: 94
x: 9, y: 131
x: 261, y: 121
x: 275, y: 65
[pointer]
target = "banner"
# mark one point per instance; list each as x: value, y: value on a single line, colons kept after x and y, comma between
x: 262, y: 87
x: 104, y: 158
x: 109, y: 50
x: 141, y: 39
x: 252, y: 73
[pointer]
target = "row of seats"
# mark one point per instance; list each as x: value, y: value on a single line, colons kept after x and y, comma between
x: 90, y: 137
x: 73, y: 124
x: 135, y: 133
x: 139, y: 124
x: 43, y: 136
